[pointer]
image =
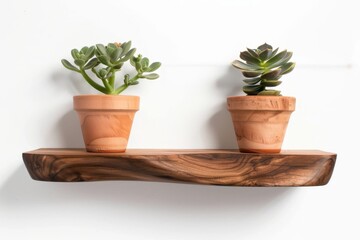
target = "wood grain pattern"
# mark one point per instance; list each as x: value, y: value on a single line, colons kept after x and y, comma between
x: 213, y: 167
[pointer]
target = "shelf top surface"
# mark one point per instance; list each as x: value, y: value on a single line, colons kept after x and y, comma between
x: 83, y: 152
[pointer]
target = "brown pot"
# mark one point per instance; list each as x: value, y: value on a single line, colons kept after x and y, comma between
x: 260, y: 122
x: 106, y: 120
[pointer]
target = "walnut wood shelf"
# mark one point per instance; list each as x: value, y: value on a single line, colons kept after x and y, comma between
x: 211, y: 166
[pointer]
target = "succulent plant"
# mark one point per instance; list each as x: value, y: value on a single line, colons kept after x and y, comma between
x: 263, y: 67
x: 105, y: 61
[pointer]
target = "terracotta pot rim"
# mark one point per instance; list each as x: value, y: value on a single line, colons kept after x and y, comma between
x: 258, y: 96
x: 261, y: 103
x: 105, y: 102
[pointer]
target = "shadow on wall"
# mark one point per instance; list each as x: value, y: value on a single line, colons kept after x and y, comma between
x: 21, y: 191
x: 69, y: 131
x: 220, y: 122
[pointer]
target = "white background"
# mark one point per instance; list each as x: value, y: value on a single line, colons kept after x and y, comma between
x: 196, y: 40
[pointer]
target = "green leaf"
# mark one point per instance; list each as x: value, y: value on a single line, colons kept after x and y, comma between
x: 128, y: 55
x: 274, y: 52
x: 93, y: 63
x: 253, y: 90
x: 251, y: 74
x: 126, y: 47
x: 252, y: 53
x: 153, y: 67
x: 288, y: 67
x: 79, y: 62
x: 101, y: 49
x: 269, y: 93
x: 276, y: 58
x: 105, y: 60
x: 103, y: 73
x: 112, y: 45
x: 244, y: 66
x: 282, y: 61
x: 144, y: 63
x: 134, y: 83
x: 252, y: 81
x: 264, y: 55
x: 90, y: 53
x: 246, y: 56
x: 75, y: 53
x: 69, y: 66
x: 273, y: 75
x: 115, y: 55
x: 132, y: 61
x: 84, y: 50
x: 151, y: 76
x: 264, y: 46
x: 138, y: 67
x: 270, y: 83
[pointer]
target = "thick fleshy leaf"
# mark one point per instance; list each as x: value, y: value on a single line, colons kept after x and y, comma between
x: 144, y: 63
x: 273, y: 75
x: 282, y: 61
x: 75, y: 53
x: 264, y: 46
x: 93, y: 63
x: 270, y: 93
x: 274, y: 52
x: 101, y: 49
x: 253, y: 90
x: 251, y: 74
x: 103, y: 73
x: 265, y: 54
x: 153, y: 67
x: 104, y: 59
x: 116, y: 54
x: 151, y: 76
x: 84, y: 50
x: 244, y: 66
x: 252, y: 81
x: 69, y: 66
x: 246, y: 56
x: 252, y: 53
x: 79, y: 62
x: 133, y: 61
x: 288, y: 67
x: 90, y: 52
x: 276, y: 58
x: 270, y: 83
x: 128, y: 55
x: 126, y: 47
x: 134, y: 83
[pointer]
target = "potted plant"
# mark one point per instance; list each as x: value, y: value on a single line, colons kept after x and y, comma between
x: 260, y: 119
x: 106, y: 119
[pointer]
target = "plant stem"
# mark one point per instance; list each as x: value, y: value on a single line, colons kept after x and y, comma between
x: 124, y: 86
x: 112, y: 79
x: 92, y: 82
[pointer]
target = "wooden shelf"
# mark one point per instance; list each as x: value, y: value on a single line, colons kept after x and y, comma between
x: 211, y: 166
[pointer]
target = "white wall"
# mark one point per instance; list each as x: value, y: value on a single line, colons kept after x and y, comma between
x: 195, y: 40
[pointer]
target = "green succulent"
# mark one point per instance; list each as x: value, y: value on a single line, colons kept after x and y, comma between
x: 263, y: 67
x: 105, y: 61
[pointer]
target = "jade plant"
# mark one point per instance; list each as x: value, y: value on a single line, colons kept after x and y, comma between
x: 262, y: 68
x: 105, y: 61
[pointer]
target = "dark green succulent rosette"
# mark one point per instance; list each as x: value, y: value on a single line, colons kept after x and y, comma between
x: 263, y: 67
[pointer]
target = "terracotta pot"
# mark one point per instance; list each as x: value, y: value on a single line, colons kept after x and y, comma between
x: 106, y: 120
x: 260, y: 122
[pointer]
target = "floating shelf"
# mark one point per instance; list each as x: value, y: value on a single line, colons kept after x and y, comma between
x: 211, y: 166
